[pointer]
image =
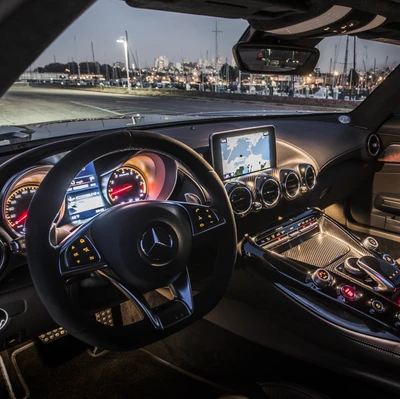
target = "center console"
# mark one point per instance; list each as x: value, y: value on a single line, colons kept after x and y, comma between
x: 320, y: 264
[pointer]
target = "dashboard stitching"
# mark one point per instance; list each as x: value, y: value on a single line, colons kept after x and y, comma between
x: 338, y: 156
x: 299, y: 149
x: 33, y: 150
x: 371, y: 346
x: 4, y: 294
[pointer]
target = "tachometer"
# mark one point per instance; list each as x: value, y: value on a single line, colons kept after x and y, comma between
x: 126, y: 184
x: 17, y: 205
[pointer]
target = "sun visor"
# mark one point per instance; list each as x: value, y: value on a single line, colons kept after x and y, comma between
x: 298, y: 19
x: 274, y: 11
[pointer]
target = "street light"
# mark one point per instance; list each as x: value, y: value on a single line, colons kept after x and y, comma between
x: 123, y: 40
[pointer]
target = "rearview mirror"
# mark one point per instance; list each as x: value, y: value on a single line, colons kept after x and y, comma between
x: 275, y: 59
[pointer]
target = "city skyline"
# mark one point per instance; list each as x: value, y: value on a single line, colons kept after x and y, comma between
x: 163, y: 37
x: 181, y: 36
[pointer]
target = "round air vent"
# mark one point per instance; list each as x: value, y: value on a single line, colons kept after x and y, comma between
x: 310, y: 177
x: 291, y: 185
x: 270, y: 192
x: 373, y: 145
x: 241, y: 199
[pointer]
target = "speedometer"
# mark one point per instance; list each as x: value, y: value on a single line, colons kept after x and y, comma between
x: 126, y: 184
x: 17, y: 205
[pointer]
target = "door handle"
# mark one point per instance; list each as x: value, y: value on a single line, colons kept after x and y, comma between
x: 388, y: 203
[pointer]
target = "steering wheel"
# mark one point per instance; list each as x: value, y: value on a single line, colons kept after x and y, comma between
x: 138, y: 247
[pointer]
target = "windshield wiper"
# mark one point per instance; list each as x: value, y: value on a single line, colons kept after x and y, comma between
x: 10, y: 134
x: 100, y: 118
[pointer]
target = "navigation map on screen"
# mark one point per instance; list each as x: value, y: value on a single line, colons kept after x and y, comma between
x: 245, y: 154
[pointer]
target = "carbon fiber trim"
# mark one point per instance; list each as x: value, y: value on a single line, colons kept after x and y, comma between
x: 320, y: 250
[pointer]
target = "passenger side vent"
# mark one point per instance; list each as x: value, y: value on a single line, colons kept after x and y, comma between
x: 373, y: 145
x: 241, y: 199
x: 269, y: 190
x: 291, y: 185
x: 309, y: 177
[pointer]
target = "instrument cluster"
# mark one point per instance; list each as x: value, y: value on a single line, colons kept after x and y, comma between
x: 106, y: 182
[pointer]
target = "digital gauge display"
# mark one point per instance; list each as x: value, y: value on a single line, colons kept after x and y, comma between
x: 84, y: 199
x: 126, y: 185
x: 17, y: 205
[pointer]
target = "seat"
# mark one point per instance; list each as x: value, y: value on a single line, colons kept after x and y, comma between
x: 276, y: 390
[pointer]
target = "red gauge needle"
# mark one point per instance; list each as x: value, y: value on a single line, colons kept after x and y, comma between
x: 22, y: 218
x: 126, y: 187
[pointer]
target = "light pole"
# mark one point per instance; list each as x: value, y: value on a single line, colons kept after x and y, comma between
x: 123, y: 40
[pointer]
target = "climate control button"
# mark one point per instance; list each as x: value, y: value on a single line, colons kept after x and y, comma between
x: 321, y: 278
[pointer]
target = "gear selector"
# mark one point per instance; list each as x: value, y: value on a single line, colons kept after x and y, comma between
x: 351, y: 266
x: 384, y: 274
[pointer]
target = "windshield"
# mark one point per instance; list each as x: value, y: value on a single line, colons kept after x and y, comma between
x: 116, y: 61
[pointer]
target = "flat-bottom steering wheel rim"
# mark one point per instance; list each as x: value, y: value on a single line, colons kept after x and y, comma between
x: 44, y: 264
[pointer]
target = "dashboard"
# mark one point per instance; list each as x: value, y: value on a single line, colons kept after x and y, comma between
x: 284, y: 165
x: 245, y: 159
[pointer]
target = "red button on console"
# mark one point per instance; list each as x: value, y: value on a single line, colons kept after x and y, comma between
x: 349, y: 292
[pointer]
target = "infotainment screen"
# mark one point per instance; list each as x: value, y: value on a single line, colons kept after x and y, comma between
x: 84, y: 198
x: 240, y: 152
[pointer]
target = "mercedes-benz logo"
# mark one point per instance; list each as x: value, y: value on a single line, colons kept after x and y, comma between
x: 3, y: 318
x: 157, y: 244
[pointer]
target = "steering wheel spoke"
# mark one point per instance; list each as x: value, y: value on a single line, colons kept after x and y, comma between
x: 181, y: 289
x: 165, y: 315
x: 78, y: 253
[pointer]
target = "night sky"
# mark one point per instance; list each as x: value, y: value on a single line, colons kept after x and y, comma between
x: 177, y: 36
